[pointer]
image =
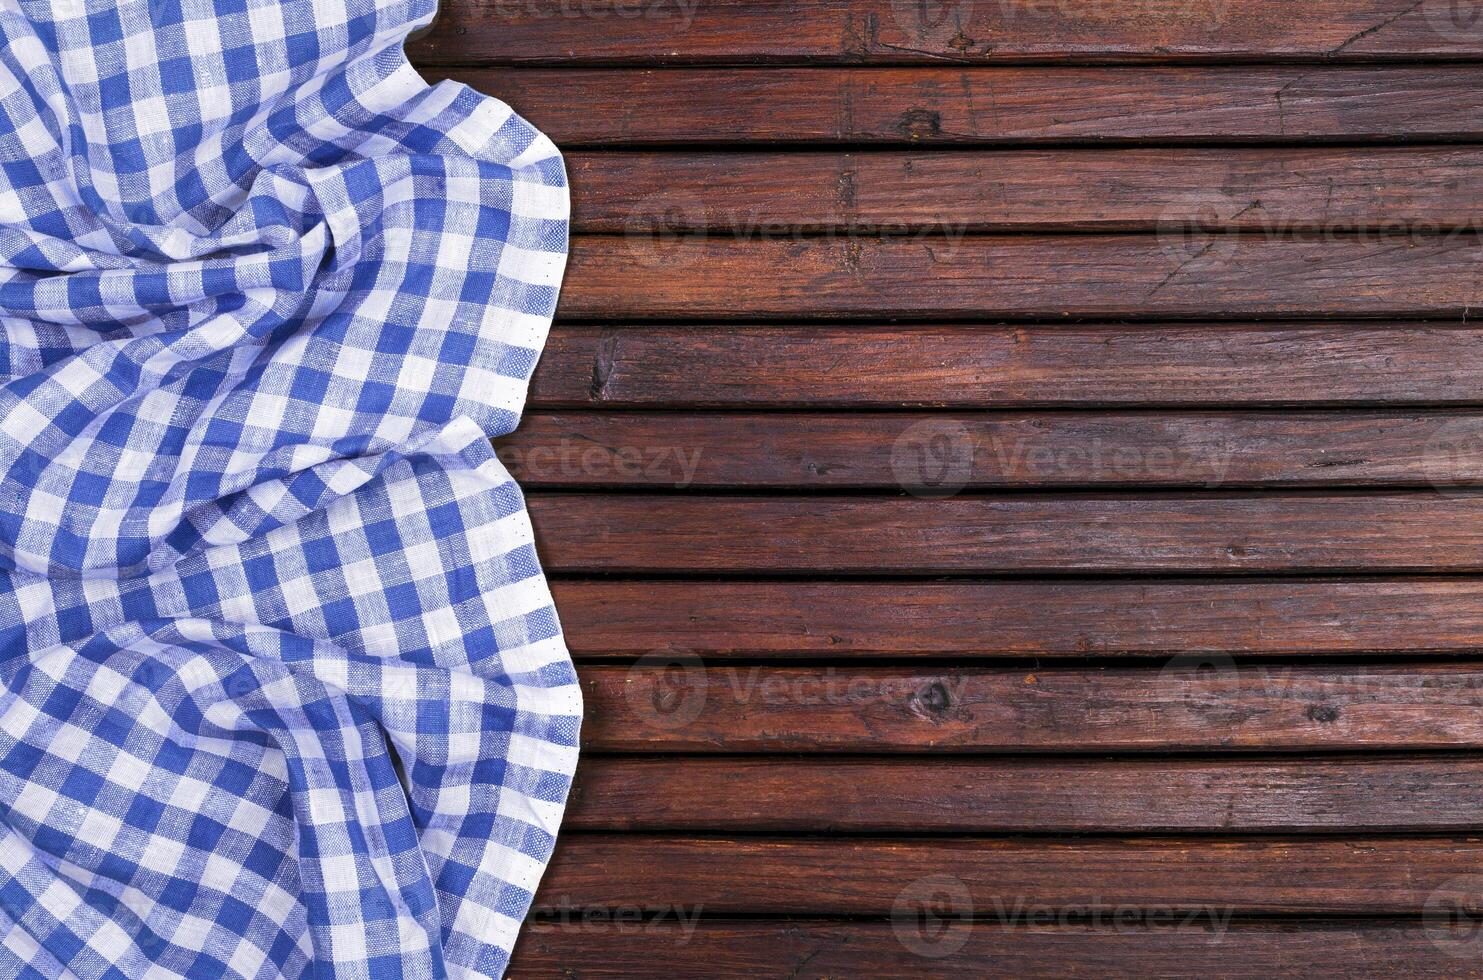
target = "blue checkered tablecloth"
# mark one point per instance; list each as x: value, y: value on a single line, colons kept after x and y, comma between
x: 282, y: 691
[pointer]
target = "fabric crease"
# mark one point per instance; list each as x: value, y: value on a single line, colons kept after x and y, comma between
x: 284, y: 692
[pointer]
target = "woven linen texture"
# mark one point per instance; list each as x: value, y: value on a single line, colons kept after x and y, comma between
x: 284, y: 693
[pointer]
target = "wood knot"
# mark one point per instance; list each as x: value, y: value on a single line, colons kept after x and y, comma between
x: 845, y: 190
x: 1323, y: 713
x: 932, y: 700
x: 916, y: 123
x: 961, y: 43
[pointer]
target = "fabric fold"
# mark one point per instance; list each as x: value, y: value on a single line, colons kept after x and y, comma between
x: 284, y: 691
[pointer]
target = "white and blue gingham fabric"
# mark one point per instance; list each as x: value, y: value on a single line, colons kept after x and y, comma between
x: 282, y: 692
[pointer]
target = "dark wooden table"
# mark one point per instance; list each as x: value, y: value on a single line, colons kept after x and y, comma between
x: 1010, y: 476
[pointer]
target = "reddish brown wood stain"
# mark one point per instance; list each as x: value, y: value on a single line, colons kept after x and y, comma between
x: 1013, y: 480
x: 854, y: 31
x: 930, y: 106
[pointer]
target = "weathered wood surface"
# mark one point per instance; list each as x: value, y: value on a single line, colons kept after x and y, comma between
x: 708, y: 794
x: 989, y: 106
x: 1032, y: 945
x: 844, y: 32
x: 667, y: 703
x: 994, y: 366
x: 974, y: 620
x: 851, y: 875
x: 1230, y: 450
x: 1177, y: 275
x: 1228, y: 533
x: 1262, y: 191
x: 996, y: 450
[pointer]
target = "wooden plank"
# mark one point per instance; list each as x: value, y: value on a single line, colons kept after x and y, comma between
x: 989, y: 106
x: 1190, y: 275
x: 926, y: 939
x: 1207, y: 620
x: 684, y: 705
x: 865, y: 876
x: 1046, y: 795
x: 858, y: 535
x: 993, y: 366
x: 888, y: 32
x: 997, y: 450
x: 1268, y: 191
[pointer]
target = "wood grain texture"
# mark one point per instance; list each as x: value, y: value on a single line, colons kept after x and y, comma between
x: 988, y: 106
x: 993, y: 366
x: 1000, y: 449
x: 685, y: 705
x: 1357, y: 876
x: 1233, y: 533
x: 1267, y: 191
x: 1177, y: 275
x: 1172, y: 946
x: 890, y: 32
x: 1042, y: 795
x: 1156, y: 618
x: 771, y: 167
